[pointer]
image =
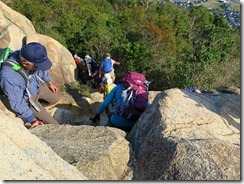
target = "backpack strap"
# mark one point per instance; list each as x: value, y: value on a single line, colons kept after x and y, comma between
x: 4, y: 53
x: 93, y: 61
x: 18, y: 68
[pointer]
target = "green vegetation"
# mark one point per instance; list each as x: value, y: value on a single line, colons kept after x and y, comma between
x: 173, y: 46
x: 82, y: 89
x: 63, y: 88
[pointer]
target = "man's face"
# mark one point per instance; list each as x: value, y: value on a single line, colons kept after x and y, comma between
x: 28, y: 65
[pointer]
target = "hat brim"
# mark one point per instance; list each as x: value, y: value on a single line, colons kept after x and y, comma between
x: 44, y: 65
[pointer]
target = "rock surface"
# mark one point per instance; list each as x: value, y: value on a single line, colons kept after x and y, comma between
x: 13, y: 27
x: 101, y: 153
x: 16, y: 30
x: 188, y: 136
x: 182, y: 136
x: 23, y: 156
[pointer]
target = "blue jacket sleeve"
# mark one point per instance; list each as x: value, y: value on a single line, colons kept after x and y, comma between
x: 44, y: 75
x: 14, y: 90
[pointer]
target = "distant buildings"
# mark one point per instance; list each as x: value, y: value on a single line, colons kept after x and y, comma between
x: 231, y: 16
x: 222, y: 1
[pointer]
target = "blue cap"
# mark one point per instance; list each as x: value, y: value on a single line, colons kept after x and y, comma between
x: 36, y: 53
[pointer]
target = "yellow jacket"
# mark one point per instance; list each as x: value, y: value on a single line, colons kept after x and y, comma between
x: 108, y: 88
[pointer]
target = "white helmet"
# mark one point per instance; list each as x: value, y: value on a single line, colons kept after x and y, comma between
x: 75, y: 56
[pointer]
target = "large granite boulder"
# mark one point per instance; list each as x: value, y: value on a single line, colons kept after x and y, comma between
x: 188, y: 136
x: 101, y: 153
x: 182, y: 136
x: 13, y: 27
x: 16, y: 30
x: 23, y: 156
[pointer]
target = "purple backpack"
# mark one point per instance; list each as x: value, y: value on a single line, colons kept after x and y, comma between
x: 134, y: 96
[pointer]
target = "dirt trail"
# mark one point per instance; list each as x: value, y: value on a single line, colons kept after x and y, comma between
x: 82, y: 107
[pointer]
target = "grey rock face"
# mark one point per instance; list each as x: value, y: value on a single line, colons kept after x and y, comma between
x: 23, y: 156
x: 188, y: 136
x: 101, y: 153
x: 13, y: 27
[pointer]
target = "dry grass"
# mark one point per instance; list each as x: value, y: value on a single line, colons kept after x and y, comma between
x: 215, y: 4
x: 236, y: 6
x: 221, y: 74
x: 211, y: 4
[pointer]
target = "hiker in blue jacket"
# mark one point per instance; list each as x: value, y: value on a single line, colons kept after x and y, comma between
x: 115, y: 120
x: 107, y: 66
x: 24, y: 102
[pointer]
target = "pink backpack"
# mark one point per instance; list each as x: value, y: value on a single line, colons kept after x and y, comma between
x: 134, y: 96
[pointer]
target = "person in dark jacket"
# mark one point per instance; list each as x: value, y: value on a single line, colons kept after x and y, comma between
x: 24, y: 102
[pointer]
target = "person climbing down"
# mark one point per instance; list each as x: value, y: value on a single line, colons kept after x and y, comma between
x: 80, y: 69
x: 23, y: 91
x: 76, y: 59
x: 126, y: 118
x: 107, y: 66
x: 105, y: 87
x: 92, y: 66
x: 115, y: 120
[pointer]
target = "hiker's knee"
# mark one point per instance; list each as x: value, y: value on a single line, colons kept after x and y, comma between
x: 55, y: 99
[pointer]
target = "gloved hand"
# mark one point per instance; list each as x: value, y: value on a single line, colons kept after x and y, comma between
x: 96, y: 118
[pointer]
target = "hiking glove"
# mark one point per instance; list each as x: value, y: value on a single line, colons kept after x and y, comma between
x: 96, y: 118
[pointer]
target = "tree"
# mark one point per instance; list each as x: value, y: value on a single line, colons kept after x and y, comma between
x: 173, y: 46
